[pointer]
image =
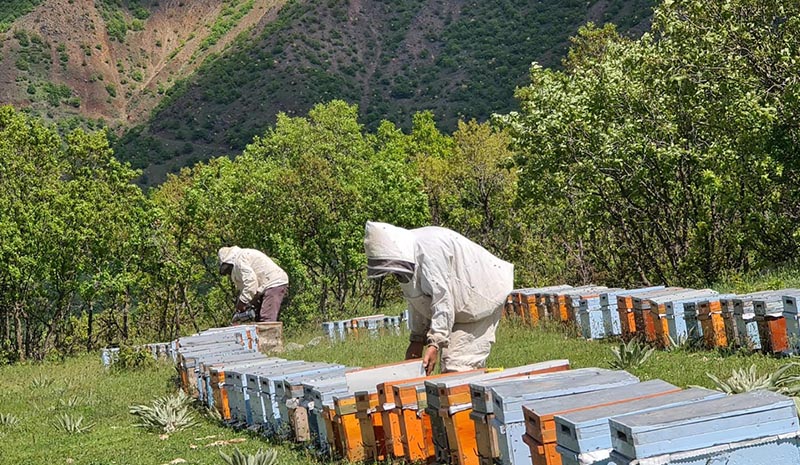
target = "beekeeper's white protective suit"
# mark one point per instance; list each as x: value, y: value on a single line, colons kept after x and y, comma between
x: 253, y: 272
x: 455, y: 290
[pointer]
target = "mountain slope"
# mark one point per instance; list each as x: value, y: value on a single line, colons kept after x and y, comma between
x: 113, y: 59
x: 188, y: 79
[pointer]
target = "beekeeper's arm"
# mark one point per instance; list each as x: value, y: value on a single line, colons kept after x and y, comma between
x: 418, y: 326
x: 437, y: 276
x: 249, y: 286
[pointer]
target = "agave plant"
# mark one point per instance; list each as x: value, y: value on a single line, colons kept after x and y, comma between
x: 167, y: 414
x: 748, y: 379
x: 72, y: 425
x: 630, y: 355
x: 70, y: 401
x: 8, y: 419
x: 41, y: 382
x: 269, y: 457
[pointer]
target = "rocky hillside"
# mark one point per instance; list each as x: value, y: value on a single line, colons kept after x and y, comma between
x: 113, y: 59
x: 187, y: 79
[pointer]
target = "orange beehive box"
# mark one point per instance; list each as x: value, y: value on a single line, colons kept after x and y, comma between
x: 542, y: 454
x: 713, y: 327
x: 773, y: 334
x: 391, y: 415
x: 454, y: 402
x: 415, y: 424
x: 372, y: 434
x: 540, y: 415
x: 632, y: 324
x: 349, y: 428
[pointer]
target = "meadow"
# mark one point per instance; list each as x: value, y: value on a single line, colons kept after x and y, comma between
x: 39, y: 395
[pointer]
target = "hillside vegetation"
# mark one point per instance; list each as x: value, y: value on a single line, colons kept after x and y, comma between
x: 669, y: 159
x: 390, y: 57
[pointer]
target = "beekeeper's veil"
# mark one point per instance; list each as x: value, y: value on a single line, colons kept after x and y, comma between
x: 389, y: 250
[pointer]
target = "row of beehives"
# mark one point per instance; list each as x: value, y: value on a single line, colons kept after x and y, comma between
x: 543, y: 413
x: 372, y: 326
x: 664, y: 316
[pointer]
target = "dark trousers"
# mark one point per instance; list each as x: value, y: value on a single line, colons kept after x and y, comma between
x: 269, y: 308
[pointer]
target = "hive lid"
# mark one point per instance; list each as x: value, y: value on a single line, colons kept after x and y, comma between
x: 728, y: 419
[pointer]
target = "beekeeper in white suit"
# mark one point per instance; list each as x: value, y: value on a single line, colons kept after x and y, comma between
x: 455, y: 291
x: 261, y: 283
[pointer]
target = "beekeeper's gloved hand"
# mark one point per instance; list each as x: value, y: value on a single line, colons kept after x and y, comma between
x: 430, y: 358
x: 414, y: 350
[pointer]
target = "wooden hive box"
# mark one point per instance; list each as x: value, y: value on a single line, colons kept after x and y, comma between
x: 584, y: 437
x: 316, y: 394
x: 245, y: 412
x: 450, y: 406
x: 540, y: 428
x: 703, y: 425
x: 792, y: 320
x: 771, y: 324
x: 656, y: 328
x: 540, y: 415
x: 415, y: 425
x: 625, y: 307
x: 252, y: 386
x: 508, y: 400
x: 573, y: 300
x: 281, y: 426
x: 371, y: 444
x: 783, y: 449
x: 205, y: 382
x: 237, y: 390
x: 643, y: 322
x: 217, y: 380
x: 560, y: 306
x: 321, y: 399
x: 288, y: 394
x: 745, y: 318
x: 391, y: 414
x: 488, y: 447
x: 609, y: 305
x: 189, y: 363
x: 662, y: 310
x: 591, y: 317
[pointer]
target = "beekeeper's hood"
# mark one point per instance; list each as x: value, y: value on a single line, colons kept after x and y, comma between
x: 226, y: 257
x: 389, y: 249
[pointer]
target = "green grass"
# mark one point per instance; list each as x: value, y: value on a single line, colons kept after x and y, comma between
x: 518, y: 345
x: 37, y: 394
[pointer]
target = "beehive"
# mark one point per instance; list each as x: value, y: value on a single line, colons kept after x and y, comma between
x: 217, y: 380
x: 666, y: 326
x: 704, y: 425
x: 450, y: 405
x: 574, y: 297
x: 608, y: 303
x: 644, y: 326
x: 591, y: 317
x: 261, y: 404
x: 206, y: 381
x: 316, y: 395
x: 391, y: 414
x: 584, y: 437
x: 625, y: 309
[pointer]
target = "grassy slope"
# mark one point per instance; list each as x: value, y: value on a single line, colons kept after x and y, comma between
x: 103, y: 398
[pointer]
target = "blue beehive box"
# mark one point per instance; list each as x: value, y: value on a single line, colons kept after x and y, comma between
x: 316, y: 395
x: 584, y: 437
x: 275, y: 423
x: 241, y: 360
x: 238, y: 394
x: 508, y: 399
x: 608, y: 304
x: 590, y: 315
x: 252, y: 386
x: 675, y: 311
x: 733, y: 419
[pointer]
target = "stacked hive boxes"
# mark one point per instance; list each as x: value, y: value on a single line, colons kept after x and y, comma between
x: 520, y: 415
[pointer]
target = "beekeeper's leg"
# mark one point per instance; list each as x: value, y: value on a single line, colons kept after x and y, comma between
x: 470, y: 344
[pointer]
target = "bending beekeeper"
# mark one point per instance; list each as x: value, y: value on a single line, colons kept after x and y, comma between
x: 261, y: 284
x: 455, y: 290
